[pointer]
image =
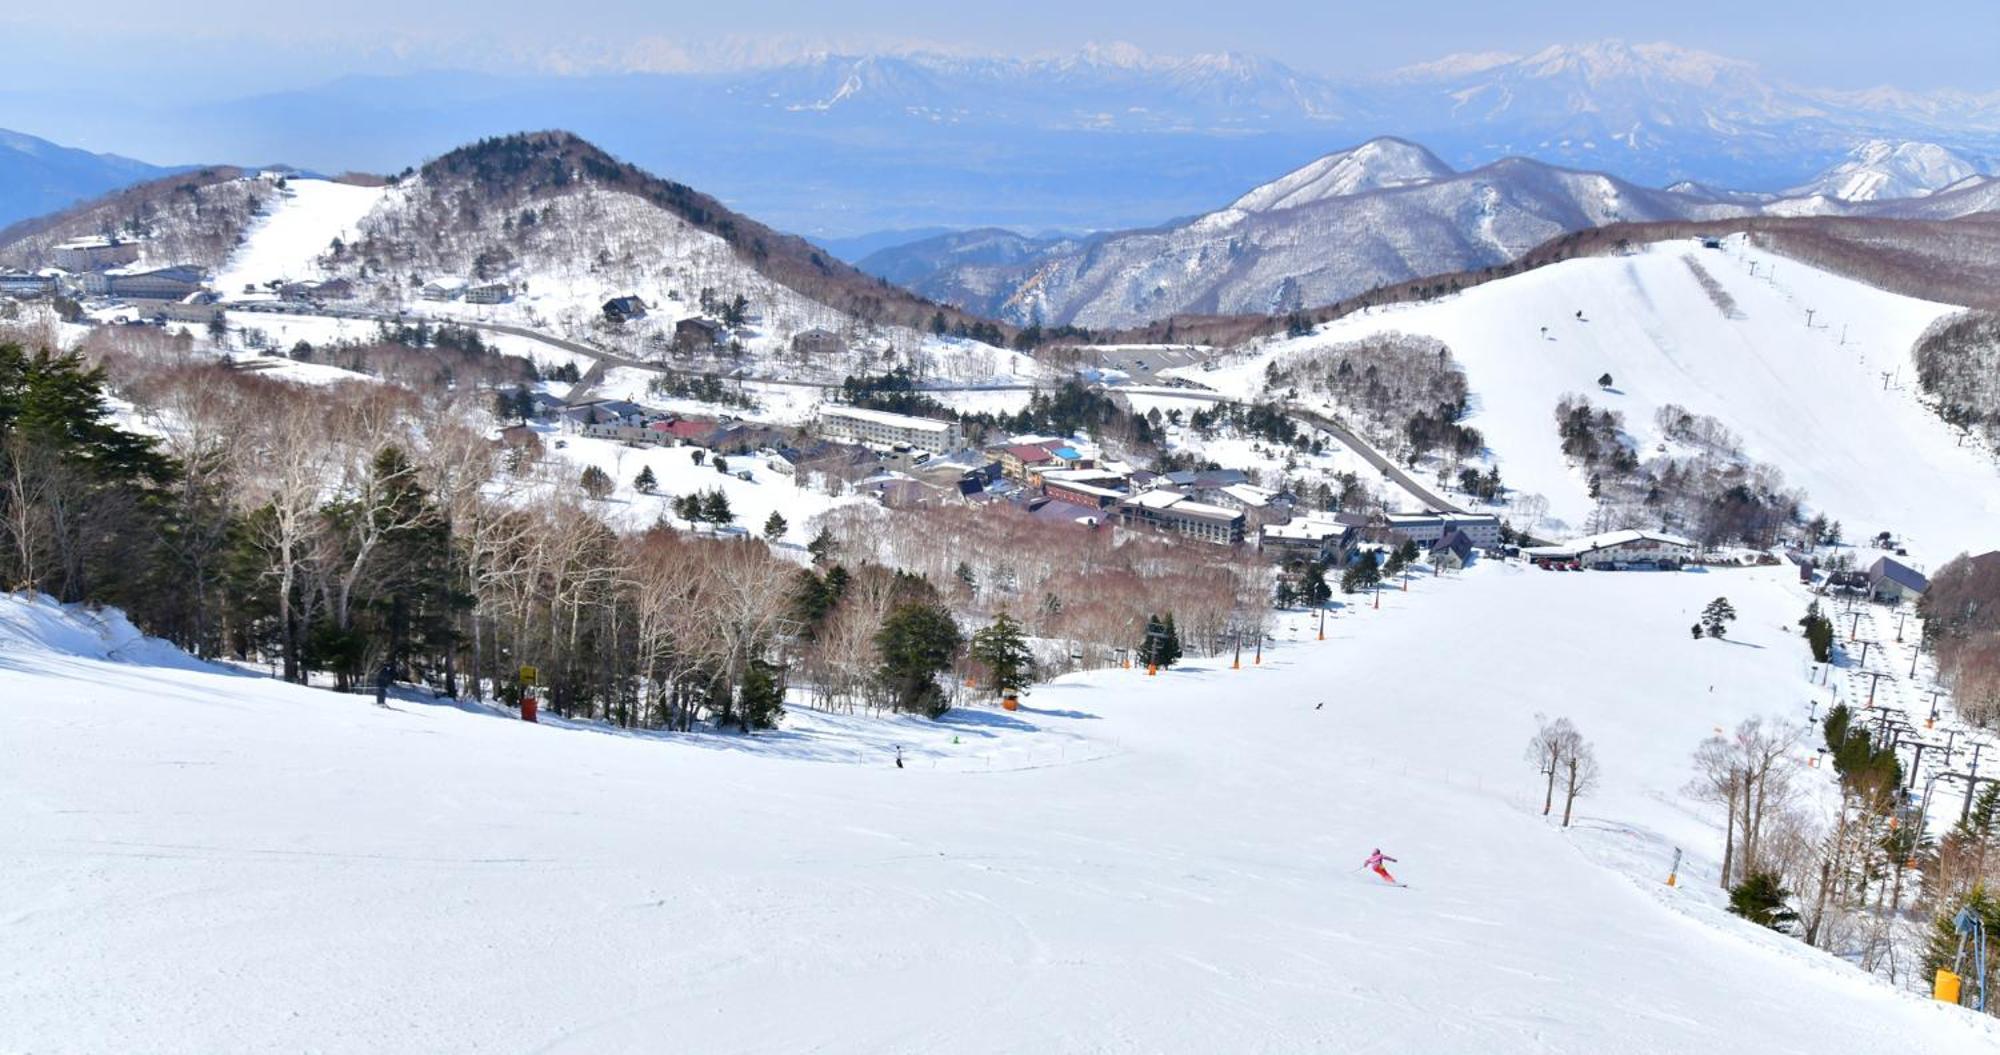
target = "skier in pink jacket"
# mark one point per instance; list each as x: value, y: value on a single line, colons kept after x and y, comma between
x: 1375, y: 862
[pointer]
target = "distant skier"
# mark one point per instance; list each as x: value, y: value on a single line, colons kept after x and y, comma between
x: 1374, y: 863
x: 899, y: 756
x: 382, y: 686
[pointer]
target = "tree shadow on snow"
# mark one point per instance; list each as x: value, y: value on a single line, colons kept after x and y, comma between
x: 1049, y: 712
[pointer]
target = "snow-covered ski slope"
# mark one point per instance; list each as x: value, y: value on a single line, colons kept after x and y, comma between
x: 299, y: 227
x: 201, y: 861
x: 1860, y: 445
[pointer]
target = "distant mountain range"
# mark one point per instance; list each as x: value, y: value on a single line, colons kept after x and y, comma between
x: 37, y: 176
x: 1384, y: 212
x: 839, y: 145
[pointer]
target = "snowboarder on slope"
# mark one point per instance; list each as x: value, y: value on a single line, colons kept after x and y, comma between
x: 1374, y: 862
x: 899, y: 756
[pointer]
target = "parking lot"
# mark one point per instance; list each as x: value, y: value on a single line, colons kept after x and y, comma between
x: 1144, y: 361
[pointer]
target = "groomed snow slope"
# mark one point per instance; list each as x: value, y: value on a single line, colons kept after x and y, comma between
x: 201, y: 861
x: 300, y: 226
x: 1865, y: 452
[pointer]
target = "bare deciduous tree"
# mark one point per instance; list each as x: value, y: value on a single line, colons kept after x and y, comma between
x: 1552, y: 741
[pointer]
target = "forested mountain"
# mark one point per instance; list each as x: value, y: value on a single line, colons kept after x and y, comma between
x: 37, y: 176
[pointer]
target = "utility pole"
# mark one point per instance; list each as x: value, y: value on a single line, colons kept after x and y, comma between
x: 1876, y: 677
x: 1864, y: 652
x: 1322, y: 621
x: 1809, y: 315
x: 1900, y: 616
x: 1854, y: 630
x: 1971, y: 785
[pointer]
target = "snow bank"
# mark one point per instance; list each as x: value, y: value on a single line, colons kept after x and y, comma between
x: 39, y: 625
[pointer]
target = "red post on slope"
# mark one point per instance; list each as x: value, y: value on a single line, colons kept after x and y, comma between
x: 528, y: 709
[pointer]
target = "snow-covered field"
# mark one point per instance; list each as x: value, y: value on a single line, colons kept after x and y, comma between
x: 752, y: 501
x: 199, y: 860
x: 778, y: 404
x: 1832, y: 405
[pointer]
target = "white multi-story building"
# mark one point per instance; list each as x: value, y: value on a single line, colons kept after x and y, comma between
x: 1482, y: 529
x: 93, y: 254
x: 1166, y: 510
x: 881, y: 429
x: 1619, y: 549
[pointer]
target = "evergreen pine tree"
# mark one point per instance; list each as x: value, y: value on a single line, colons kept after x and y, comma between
x: 1002, y: 649
x: 646, y: 482
x: 1152, y: 647
x: 917, y: 642
x: 715, y: 508
x: 1715, y: 618
x: 774, y: 526
x: 761, y: 698
x: 1760, y: 898
x: 822, y: 546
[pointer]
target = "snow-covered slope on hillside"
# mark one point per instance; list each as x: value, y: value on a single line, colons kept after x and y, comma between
x: 197, y: 861
x: 297, y: 228
x: 1880, y: 169
x: 1378, y: 163
x: 1841, y: 420
x: 1338, y: 227
x: 583, y: 247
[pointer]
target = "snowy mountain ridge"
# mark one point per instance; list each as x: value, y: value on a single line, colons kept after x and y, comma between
x: 1375, y: 165
x: 1382, y: 212
x: 1881, y: 169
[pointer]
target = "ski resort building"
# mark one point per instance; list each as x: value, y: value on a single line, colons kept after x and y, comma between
x: 882, y: 429
x: 26, y: 283
x: 1618, y: 549
x: 94, y: 254
x: 160, y: 283
x: 690, y: 335
x: 1171, y: 511
x: 1095, y: 495
x: 817, y: 343
x: 1892, y: 581
x: 1452, y: 552
x: 1425, y: 529
x: 1313, y: 537
x: 442, y: 289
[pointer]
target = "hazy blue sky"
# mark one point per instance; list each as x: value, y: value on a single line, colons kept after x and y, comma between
x: 214, y: 48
